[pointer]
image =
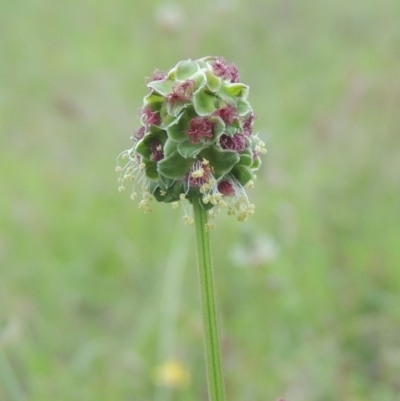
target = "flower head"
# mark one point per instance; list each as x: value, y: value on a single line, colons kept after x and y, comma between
x: 199, y: 127
x: 158, y: 75
x: 226, y: 113
x: 225, y: 71
x: 150, y: 117
x: 235, y: 142
x: 195, y: 141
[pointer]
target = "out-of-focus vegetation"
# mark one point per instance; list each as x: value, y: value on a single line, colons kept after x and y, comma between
x: 308, y: 289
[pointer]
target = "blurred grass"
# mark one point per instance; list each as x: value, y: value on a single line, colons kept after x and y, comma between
x: 81, y: 268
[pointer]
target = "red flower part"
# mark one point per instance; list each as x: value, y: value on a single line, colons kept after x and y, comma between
x: 227, y: 72
x: 199, y: 128
x: 198, y: 181
x: 157, y: 152
x: 219, y: 67
x: 236, y: 142
x: 185, y: 89
x: 232, y: 73
x: 227, y: 114
x: 150, y: 117
x: 248, y: 124
x: 226, y: 188
x: 181, y: 92
x: 158, y: 75
x: 139, y: 134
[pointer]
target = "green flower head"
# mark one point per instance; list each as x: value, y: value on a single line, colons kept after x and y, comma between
x: 195, y: 140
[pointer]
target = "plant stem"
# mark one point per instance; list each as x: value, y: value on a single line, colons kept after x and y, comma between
x: 211, y: 336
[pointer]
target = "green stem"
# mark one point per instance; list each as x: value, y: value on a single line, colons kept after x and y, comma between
x: 210, y: 322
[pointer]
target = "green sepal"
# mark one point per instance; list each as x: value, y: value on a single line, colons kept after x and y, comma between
x: 231, y: 93
x: 155, y: 129
x: 153, y: 100
x: 172, y: 74
x: 213, y: 82
x: 202, y: 64
x: 207, y: 59
x: 230, y: 130
x: 256, y: 163
x: 174, y: 166
x: 151, y: 170
x: 177, y: 131
x: 165, y: 181
x: 246, y: 158
x: 175, y: 107
x: 169, y: 120
x: 189, y: 149
x: 143, y: 147
x: 243, y: 107
x: 199, y: 80
x: 204, y: 102
x: 242, y: 173
x: 222, y: 161
x: 185, y: 69
x: 172, y: 193
x: 151, y: 186
x: 169, y: 147
x: 218, y: 127
x: 162, y: 87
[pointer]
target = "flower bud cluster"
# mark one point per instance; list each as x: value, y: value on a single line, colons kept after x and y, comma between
x: 195, y: 140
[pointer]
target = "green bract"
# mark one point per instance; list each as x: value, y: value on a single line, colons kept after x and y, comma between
x: 195, y: 141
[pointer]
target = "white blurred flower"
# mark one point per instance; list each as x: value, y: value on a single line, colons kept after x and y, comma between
x: 254, y: 250
x: 170, y: 17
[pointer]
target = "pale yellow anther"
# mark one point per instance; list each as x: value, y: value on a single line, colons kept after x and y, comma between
x: 188, y: 220
x: 209, y: 226
x: 142, y: 166
x: 163, y: 193
x: 182, y: 197
x: 174, y: 205
x: 205, y: 162
x: 118, y: 169
x: 198, y: 173
x: 242, y: 217
x: 121, y: 188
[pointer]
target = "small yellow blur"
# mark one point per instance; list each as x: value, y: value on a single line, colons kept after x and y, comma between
x: 172, y: 374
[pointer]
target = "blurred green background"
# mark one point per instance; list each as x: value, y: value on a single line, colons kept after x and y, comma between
x: 95, y: 297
